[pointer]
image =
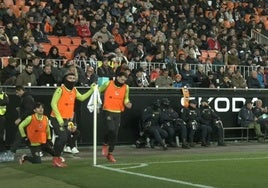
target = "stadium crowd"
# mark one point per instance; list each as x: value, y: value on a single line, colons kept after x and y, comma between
x: 164, y: 43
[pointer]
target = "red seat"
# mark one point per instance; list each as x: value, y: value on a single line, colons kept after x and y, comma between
x: 65, y: 40
x: 54, y: 40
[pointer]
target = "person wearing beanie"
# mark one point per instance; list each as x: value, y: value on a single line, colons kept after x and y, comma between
x: 62, y: 104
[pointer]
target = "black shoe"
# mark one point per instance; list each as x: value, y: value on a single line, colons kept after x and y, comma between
x: 192, y: 145
x: 204, y: 145
x: 164, y: 147
x: 152, y: 143
x: 173, y: 144
x: 185, y: 146
x: 221, y: 144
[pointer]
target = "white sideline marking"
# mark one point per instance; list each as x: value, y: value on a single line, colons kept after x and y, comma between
x: 154, y: 177
x: 139, y: 165
x: 187, y: 161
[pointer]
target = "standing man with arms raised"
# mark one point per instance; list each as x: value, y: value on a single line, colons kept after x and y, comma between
x: 116, y: 98
x: 62, y: 104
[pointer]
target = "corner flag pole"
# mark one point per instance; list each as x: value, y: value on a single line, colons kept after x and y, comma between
x: 95, y: 125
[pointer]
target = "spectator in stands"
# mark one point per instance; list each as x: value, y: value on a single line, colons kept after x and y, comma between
x: 104, y: 33
x: 177, y: 83
x: 110, y: 46
x: 139, y: 53
x: 25, y: 33
x: 213, y: 43
x: 46, y: 77
x: 105, y: 70
x: 5, y: 50
x: 164, y: 80
x: 40, y: 52
x: 39, y: 35
x: 25, y: 53
x: 260, y: 71
x: 83, y: 29
x: 200, y: 75
x: 233, y: 58
x: 117, y: 56
x: 261, y: 113
x: 238, y: 80
x: 54, y: 53
x: 119, y: 39
x: 140, y: 79
x: 26, y: 77
x: 171, y: 64
x: 15, y: 46
x: 58, y: 29
x: 226, y: 82
x: 187, y: 75
x: 246, y: 118
x: 209, y: 81
x: 32, y: 43
x: 48, y: 25
x: 82, y: 60
x: 9, y: 17
x: 37, y: 67
x: 252, y: 80
x: 70, y: 28
x: 9, y: 73
x: 130, y: 77
x: 90, y: 76
x: 94, y: 50
x: 218, y: 60
x: 154, y: 74
x: 82, y: 47
x: 54, y: 69
x: 122, y: 67
x: 11, y: 30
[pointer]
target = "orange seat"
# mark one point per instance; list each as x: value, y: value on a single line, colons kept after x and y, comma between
x: 123, y: 50
x: 76, y: 40
x: 204, y: 56
x: 247, y: 17
x: 62, y: 48
x: 72, y: 47
x: 16, y: 10
x: 65, y: 40
x: 54, y: 40
x: 20, y: 3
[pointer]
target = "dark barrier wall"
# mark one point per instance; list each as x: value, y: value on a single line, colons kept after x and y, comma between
x: 226, y: 102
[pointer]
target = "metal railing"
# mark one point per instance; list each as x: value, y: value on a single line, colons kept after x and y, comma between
x: 147, y: 66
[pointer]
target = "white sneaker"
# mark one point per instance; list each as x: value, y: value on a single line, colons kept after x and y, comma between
x: 67, y: 149
x: 75, y: 150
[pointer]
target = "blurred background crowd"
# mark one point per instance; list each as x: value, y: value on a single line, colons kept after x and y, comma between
x: 158, y: 43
